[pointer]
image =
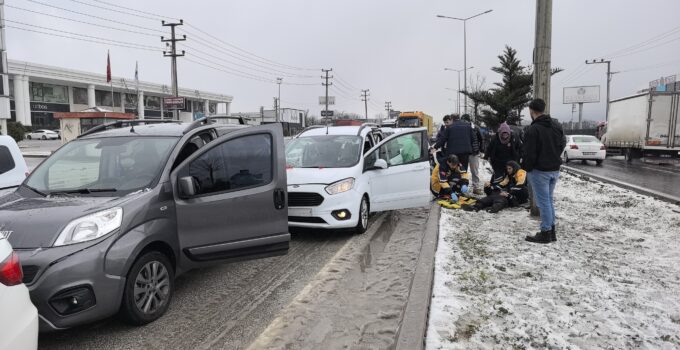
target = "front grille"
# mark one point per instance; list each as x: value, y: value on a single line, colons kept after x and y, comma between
x: 30, y: 271
x: 306, y: 219
x: 304, y: 199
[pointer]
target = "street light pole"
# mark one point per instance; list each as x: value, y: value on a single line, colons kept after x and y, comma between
x: 458, y: 94
x: 278, y: 104
x: 464, y: 20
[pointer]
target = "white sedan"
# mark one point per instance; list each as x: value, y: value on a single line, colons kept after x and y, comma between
x: 18, y: 318
x: 584, y: 147
x: 42, y: 134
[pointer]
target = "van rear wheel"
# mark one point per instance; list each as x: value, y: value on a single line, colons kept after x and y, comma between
x: 148, y: 289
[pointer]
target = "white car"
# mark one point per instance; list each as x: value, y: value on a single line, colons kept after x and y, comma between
x: 584, y: 147
x: 338, y: 175
x: 18, y: 318
x: 42, y: 135
x: 13, y: 169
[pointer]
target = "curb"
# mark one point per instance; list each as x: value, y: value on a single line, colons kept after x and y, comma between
x: 413, y: 328
x: 30, y: 154
x: 645, y: 191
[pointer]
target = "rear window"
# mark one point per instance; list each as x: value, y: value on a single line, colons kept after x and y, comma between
x: 585, y: 139
x: 6, y: 160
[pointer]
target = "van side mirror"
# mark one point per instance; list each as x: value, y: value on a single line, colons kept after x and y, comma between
x: 186, y: 187
x: 380, y: 164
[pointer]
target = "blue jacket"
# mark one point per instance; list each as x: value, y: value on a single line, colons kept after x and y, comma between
x: 459, y: 138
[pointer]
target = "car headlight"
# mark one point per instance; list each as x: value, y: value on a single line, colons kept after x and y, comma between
x: 90, y: 227
x: 340, y: 186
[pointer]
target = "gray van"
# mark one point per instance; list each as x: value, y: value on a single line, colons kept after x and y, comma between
x: 105, y: 224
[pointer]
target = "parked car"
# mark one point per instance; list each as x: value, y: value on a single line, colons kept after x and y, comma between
x: 58, y: 131
x: 338, y: 175
x: 42, y: 134
x: 19, y: 318
x: 13, y: 169
x: 584, y: 147
x: 118, y: 213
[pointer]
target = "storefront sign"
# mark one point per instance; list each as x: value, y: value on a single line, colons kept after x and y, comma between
x: 49, y: 107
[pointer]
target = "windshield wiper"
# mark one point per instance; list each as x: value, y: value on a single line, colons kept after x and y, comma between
x: 84, y: 191
x: 36, y: 190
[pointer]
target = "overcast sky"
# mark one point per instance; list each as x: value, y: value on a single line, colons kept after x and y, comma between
x: 398, y: 49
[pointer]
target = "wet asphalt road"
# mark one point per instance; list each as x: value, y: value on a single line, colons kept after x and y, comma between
x: 662, y: 178
x: 228, y: 304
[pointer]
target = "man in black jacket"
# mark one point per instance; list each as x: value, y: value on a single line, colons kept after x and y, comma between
x: 544, y: 142
x: 459, y: 139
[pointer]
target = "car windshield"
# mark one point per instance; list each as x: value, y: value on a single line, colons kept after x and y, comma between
x: 409, y: 122
x: 585, y: 139
x: 112, y: 166
x: 327, y: 151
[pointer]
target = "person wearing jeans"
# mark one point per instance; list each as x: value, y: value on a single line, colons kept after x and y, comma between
x: 544, y: 143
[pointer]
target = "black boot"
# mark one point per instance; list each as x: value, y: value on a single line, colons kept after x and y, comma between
x: 541, y: 237
x: 553, y: 236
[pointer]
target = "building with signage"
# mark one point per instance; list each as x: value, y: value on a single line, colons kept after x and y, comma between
x: 38, y: 91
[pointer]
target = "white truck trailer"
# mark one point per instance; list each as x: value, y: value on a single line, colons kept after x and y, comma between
x: 644, y: 125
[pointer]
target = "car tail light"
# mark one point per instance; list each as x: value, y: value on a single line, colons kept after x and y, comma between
x: 573, y: 146
x: 602, y: 148
x: 10, y: 271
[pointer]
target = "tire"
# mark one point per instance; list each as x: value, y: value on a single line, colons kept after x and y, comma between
x: 132, y: 308
x: 364, y: 210
x: 43, y: 137
x: 28, y: 137
x: 599, y: 161
x: 566, y: 158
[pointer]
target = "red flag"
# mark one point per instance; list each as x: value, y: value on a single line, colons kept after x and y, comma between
x: 108, y: 67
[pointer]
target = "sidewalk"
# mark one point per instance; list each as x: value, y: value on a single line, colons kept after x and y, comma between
x: 610, y: 281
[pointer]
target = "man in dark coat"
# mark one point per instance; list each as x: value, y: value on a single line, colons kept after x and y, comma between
x: 504, y: 147
x: 459, y: 139
x: 544, y: 143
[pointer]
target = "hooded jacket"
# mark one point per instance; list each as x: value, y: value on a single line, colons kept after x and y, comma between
x: 459, y: 138
x: 544, y: 143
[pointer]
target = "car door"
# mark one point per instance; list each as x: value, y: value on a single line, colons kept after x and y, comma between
x: 230, y: 197
x: 405, y: 181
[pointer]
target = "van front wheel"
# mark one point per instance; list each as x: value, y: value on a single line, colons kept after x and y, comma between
x: 148, y: 289
x: 364, y: 210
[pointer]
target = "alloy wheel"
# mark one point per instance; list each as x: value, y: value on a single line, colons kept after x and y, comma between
x: 152, y: 287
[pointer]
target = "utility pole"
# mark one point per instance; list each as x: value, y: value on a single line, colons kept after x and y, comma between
x: 542, y: 52
x: 278, y: 105
x: 4, y: 78
x: 580, y: 115
x: 388, y: 108
x: 173, y: 55
x: 276, y: 108
x: 326, y: 84
x: 609, y: 80
x: 364, y: 97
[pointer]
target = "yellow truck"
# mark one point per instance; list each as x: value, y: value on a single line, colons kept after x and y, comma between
x: 415, y: 120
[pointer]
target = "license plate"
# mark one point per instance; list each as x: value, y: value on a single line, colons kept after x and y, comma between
x: 299, y: 212
x: 589, y: 153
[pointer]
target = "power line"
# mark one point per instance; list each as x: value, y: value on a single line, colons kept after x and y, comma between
x: 228, y: 72
x: 645, y: 42
x: 97, y: 17
x: 248, y: 75
x: 82, y: 22
x: 114, y: 10
x: 131, y: 9
x: 87, y: 40
x: 645, y: 49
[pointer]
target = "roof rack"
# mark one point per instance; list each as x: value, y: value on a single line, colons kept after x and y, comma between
x: 366, y: 125
x: 125, y: 123
x: 212, y: 119
x: 308, y: 128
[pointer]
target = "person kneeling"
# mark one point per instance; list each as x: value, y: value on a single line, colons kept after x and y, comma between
x: 510, y: 192
x: 448, y: 180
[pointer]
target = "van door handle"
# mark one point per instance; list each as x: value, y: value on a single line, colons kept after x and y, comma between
x: 279, y: 199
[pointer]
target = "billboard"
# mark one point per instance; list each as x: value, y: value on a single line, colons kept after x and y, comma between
x: 581, y: 94
x: 322, y: 100
x: 173, y: 102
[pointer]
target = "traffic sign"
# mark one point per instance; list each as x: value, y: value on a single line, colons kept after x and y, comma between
x: 326, y: 113
x: 173, y: 102
x: 331, y: 100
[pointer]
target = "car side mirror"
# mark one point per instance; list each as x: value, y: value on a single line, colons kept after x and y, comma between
x: 380, y: 164
x: 186, y: 187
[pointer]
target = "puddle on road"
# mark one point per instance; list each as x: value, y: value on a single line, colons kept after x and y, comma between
x: 378, y: 242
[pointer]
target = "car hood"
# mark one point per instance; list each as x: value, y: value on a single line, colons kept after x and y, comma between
x: 319, y: 176
x: 35, y: 222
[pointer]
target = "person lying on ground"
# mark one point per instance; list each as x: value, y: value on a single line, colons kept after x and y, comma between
x: 448, y: 180
x: 511, y: 192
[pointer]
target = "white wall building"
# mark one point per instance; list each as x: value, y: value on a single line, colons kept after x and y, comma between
x: 36, y: 91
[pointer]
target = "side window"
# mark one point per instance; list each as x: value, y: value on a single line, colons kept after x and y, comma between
x: 367, y: 143
x: 370, y: 159
x: 403, y: 149
x: 235, y: 164
x: 6, y: 160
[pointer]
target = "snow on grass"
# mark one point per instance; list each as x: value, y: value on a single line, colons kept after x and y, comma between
x: 611, y: 281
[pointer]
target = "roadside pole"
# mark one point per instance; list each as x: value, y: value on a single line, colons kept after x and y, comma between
x: 173, y: 55
x: 580, y: 115
x: 542, y: 69
x: 4, y: 78
x: 326, y: 84
x: 609, y: 81
x: 364, y: 97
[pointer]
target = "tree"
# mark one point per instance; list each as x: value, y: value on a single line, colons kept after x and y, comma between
x: 16, y: 130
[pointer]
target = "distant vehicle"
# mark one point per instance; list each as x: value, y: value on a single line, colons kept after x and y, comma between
x: 584, y: 147
x: 13, y: 169
x: 58, y: 131
x: 119, y: 212
x: 416, y: 120
x: 389, y: 123
x: 338, y: 175
x: 42, y: 134
x: 19, y: 318
x: 347, y: 122
x: 644, y: 125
